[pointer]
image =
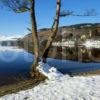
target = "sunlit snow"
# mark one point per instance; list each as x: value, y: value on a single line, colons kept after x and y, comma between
x: 60, y: 87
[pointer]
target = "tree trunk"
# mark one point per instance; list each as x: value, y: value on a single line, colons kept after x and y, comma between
x: 35, y: 38
x: 54, y: 32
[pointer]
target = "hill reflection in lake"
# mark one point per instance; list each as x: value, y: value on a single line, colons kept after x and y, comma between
x: 15, y: 64
x: 78, y: 53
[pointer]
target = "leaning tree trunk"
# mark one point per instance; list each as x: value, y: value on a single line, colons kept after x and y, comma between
x: 35, y: 38
x: 54, y: 32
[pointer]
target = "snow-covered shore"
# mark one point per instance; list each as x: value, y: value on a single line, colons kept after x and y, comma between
x: 64, y: 44
x: 92, y: 43
x: 10, y: 37
x: 64, y: 88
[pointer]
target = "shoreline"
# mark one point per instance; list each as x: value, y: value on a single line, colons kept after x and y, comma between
x: 31, y: 83
x: 22, y: 85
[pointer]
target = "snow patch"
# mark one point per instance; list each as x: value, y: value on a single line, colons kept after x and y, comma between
x: 64, y: 44
x: 10, y: 38
x: 64, y: 88
x: 92, y: 43
x: 49, y: 71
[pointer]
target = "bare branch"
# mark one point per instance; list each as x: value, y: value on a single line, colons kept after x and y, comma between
x: 17, y: 6
x: 66, y: 13
x: 91, y: 12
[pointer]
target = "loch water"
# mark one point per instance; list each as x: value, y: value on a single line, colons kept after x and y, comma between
x: 15, y: 65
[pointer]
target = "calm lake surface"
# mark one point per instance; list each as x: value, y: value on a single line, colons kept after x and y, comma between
x: 15, y: 64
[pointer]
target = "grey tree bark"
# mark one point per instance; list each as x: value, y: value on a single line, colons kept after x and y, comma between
x: 53, y: 33
x: 35, y: 38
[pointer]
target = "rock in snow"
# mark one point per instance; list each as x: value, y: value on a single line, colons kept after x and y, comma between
x: 60, y: 88
x: 50, y: 72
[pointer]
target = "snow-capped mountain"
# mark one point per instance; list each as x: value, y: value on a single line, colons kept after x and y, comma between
x: 9, y: 38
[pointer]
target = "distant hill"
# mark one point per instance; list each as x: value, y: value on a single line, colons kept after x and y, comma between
x: 76, y: 31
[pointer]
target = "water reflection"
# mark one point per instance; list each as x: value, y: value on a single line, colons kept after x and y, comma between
x: 77, y: 53
x: 15, y: 65
x: 15, y: 62
x: 70, y: 67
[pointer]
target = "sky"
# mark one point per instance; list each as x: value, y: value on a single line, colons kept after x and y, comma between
x: 16, y: 24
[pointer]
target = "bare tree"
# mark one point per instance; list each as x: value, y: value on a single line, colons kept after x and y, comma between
x: 90, y: 12
x: 20, y: 6
x: 54, y: 31
x: 55, y: 25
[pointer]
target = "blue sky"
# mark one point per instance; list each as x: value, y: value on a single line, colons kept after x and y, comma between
x: 12, y: 23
